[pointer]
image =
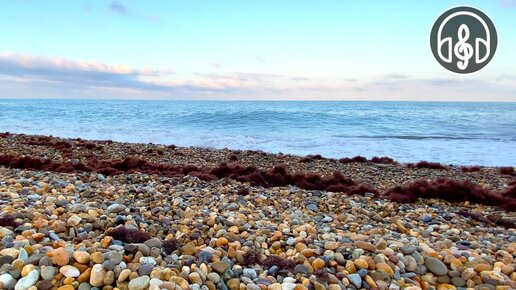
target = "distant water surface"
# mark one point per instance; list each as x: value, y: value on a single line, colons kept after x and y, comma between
x: 451, y: 133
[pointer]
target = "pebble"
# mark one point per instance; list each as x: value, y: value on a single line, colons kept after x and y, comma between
x: 213, y: 277
x: 7, y: 280
x: 69, y: 271
x: 61, y: 256
x: 408, y: 249
x: 97, y: 275
x: 250, y: 273
x: 220, y: 267
x: 186, y: 233
x: 355, y: 279
x: 48, y: 272
x: 27, y: 281
x: 74, y: 220
x: 115, y: 208
x: 81, y: 257
x: 435, y: 266
x: 139, y: 283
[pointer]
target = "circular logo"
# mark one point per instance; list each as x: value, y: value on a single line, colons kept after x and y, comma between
x: 463, y: 40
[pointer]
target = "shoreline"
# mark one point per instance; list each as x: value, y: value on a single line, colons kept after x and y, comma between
x: 178, y: 218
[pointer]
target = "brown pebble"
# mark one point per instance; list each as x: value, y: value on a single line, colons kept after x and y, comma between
x: 61, y: 256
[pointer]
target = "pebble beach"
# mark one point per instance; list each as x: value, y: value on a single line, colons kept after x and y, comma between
x: 90, y: 223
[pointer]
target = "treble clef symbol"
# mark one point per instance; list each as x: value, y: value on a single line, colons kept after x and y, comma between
x: 463, y: 50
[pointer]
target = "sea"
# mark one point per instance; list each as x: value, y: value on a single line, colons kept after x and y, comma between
x: 460, y: 133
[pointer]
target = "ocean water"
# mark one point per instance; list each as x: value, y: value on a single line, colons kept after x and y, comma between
x: 446, y: 132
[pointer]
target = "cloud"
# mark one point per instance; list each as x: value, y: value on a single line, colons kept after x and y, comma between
x: 80, y: 73
x: 25, y: 75
x: 118, y: 7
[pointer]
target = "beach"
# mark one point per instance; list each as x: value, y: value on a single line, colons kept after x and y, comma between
x: 82, y: 214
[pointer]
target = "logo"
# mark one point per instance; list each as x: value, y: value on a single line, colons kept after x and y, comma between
x: 463, y: 40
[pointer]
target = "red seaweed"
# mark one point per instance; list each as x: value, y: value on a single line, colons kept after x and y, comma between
x: 429, y: 165
x: 507, y: 170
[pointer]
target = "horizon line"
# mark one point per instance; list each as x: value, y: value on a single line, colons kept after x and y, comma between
x: 255, y: 100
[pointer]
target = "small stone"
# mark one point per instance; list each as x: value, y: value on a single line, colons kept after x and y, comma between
x: 426, y: 218
x: 23, y: 255
x: 6, y: 260
x: 220, y: 267
x: 188, y: 250
x: 82, y: 257
x: 482, y: 267
x: 146, y: 260
x: 221, y: 242
x: 7, y: 280
x: 5, y: 232
x: 124, y: 274
x: 318, y: 286
x: 361, y: 264
x: 154, y: 243
x: 61, y: 256
x: 97, y: 275
x: 408, y: 249
x: 318, y: 263
x: 205, y: 256
x: 250, y: 273
x: 301, y: 269
x: 356, y: 280
x: 97, y: 258
x: 312, y: 207
x: 288, y: 286
x: 28, y: 281
x: 233, y: 284
x: 84, y: 286
x: 468, y: 273
x: 108, y: 265
x: 69, y: 271
x: 74, y: 220
x: 213, y: 277
x: 145, y: 269
x: 365, y: 246
x: 109, y: 278
x: 435, y: 266
x: 155, y: 282
x: 26, y: 269
x: 331, y: 245
x: 179, y: 281
x: 370, y: 281
x: 386, y: 268
x: 115, y: 208
x: 139, y: 283
x: 195, y: 278
x: 458, y: 282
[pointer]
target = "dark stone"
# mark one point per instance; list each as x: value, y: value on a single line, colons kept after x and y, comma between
x: 145, y: 269
x: 273, y: 271
x: 34, y: 259
x: 362, y: 273
x: 205, y: 256
x: 108, y: 265
x: 427, y: 218
x: 119, y: 220
x: 301, y: 269
x: 130, y: 248
x: 44, y: 285
x: 6, y: 260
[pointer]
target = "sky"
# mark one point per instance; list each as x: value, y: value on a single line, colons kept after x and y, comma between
x: 250, y: 50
